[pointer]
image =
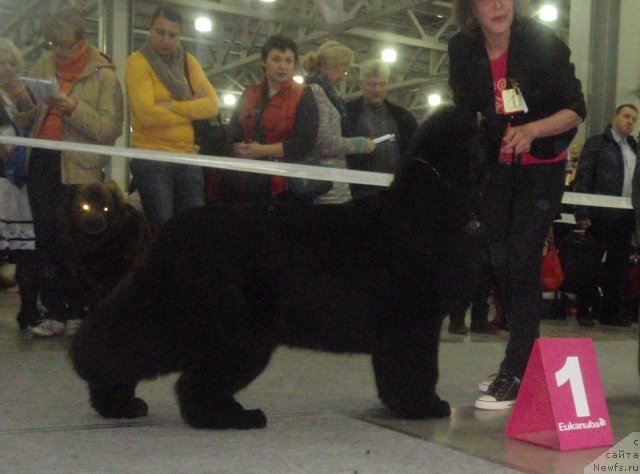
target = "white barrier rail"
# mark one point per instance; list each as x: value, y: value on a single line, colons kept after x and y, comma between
x: 291, y: 170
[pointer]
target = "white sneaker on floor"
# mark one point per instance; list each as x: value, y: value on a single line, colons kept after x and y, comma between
x: 501, y: 395
x: 72, y: 327
x: 8, y: 273
x: 484, y: 385
x: 48, y: 328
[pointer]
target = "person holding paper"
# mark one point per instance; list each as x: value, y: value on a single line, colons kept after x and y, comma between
x: 88, y: 109
x: 516, y: 74
x: 167, y: 90
x: 372, y: 115
x: 326, y: 68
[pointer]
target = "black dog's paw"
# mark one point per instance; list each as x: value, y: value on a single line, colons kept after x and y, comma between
x: 252, y: 419
x: 417, y: 410
x: 134, y: 408
x: 440, y: 409
x: 116, y: 401
x: 244, y: 420
x: 228, y: 414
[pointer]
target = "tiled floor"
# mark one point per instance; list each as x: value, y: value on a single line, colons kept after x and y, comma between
x: 324, y: 416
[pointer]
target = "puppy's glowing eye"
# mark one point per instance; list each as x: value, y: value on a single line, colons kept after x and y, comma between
x: 106, y: 209
x: 86, y: 207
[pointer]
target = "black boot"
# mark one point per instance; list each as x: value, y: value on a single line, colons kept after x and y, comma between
x: 28, y: 278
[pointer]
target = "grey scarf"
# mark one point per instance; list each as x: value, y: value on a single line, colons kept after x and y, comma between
x: 170, y: 70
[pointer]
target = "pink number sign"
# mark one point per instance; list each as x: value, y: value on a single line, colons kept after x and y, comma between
x: 561, y: 402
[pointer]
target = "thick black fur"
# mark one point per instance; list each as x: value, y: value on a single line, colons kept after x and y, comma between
x: 223, y: 286
x: 107, y: 237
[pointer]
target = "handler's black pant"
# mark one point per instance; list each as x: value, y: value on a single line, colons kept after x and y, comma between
x: 521, y: 203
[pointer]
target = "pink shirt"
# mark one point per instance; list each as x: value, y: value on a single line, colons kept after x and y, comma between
x: 499, y: 74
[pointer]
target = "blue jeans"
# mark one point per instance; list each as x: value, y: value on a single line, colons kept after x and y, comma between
x: 522, y: 202
x: 166, y: 188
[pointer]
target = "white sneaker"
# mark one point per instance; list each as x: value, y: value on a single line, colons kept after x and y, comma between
x: 72, y: 327
x: 48, y: 328
x: 501, y: 395
x: 484, y: 385
x: 8, y: 273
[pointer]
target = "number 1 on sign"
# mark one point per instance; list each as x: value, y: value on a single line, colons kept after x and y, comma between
x: 571, y: 372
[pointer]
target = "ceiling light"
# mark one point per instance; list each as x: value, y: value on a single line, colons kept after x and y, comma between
x: 434, y: 100
x: 389, y: 55
x: 229, y: 99
x: 548, y: 13
x: 298, y: 78
x: 203, y: 24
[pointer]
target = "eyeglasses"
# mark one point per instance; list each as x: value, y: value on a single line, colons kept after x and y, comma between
x: 61, y: 46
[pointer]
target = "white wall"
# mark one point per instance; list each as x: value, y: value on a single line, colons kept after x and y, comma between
x: 579, y: 42
x: 629, y: 53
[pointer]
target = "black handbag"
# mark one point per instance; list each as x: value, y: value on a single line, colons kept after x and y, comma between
x: 309, y: 189
x: 581, y: 260
x: 210, y: 139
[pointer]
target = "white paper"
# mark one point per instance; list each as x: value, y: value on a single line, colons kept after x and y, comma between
x: 384, y: 138
x: 41, y: 89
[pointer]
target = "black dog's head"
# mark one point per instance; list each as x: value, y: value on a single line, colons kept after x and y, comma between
x: 449, y: 142
x: 94, y: 211
x: 445, y: 166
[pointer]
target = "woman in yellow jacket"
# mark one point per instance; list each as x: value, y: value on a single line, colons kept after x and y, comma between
x: 164, y: 101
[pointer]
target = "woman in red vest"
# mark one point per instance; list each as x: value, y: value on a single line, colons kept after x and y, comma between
x: 276, y: 120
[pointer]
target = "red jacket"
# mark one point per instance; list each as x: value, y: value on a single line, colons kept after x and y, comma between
x: 277, y: 121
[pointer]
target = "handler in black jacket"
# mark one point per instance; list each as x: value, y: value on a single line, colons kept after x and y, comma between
x: 606, y: 166
x: 516, y: 73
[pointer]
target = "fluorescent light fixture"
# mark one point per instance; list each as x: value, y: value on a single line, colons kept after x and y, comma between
x: 268, y: 1
x: 229, y: 99
x: 298, y: 78
x: 203, y: 24
x: 389, y: 55
x: 434, y: 100
x: 548, y: 13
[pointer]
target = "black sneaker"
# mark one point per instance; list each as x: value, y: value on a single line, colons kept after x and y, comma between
x: 484, y: 327
x: 458, y: 328
x: 501, y: 394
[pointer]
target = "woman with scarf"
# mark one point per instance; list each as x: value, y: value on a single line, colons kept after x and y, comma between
x: 167, y: 90
x: 326, y: 68
x: 276, y: 120
x: 87, y: 109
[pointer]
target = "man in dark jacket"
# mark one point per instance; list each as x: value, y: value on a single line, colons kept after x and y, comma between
x: 373, y: 116
x: 606, y: 166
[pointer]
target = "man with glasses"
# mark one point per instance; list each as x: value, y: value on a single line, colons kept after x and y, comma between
x: 373, y: 116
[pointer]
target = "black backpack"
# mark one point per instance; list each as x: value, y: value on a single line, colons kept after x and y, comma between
x: 581, y: 260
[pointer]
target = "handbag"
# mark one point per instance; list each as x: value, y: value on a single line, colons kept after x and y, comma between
x: 15, y: 167
x: 210, y: 139
x: 551, y: 270
x: 581, y: 261
x: 309, y: 189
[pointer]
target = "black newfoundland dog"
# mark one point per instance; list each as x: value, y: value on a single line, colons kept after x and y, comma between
x: 224, y: 286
